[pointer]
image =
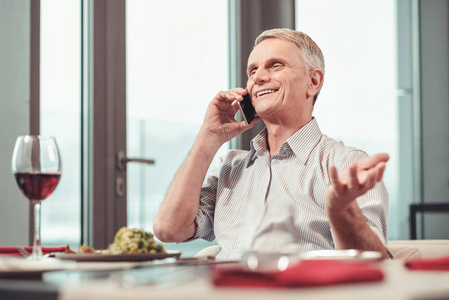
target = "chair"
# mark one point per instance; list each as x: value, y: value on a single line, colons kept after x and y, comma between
x: 403, y: 249
x: 442, y: 207
x: 208, y: 251
x: 411, y: 249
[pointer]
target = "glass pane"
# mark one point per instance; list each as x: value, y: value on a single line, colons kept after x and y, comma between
x: 358, y: 102
x: 60, y: 116
x: 177, y: 61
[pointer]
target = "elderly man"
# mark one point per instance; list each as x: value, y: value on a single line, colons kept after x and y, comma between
x: 295, y: 185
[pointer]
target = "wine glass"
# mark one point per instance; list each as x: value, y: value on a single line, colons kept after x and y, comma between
x: 36, y: 165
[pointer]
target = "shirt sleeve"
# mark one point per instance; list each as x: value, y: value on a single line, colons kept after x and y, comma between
x: 374, y: 203
x: 205, y: 216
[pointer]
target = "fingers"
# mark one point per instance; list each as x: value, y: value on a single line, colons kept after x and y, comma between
x: 335, y: 180
x: 372, y: 161
x: 372, y: 176
x: 235, y: 105
x: 227, y: 96
x: 353, y: 179
x: 371, y: 180
x: 240, y: 90
x: 231, y: 95
x: 381, y: 169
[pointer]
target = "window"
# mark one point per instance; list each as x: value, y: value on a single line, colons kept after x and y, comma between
x: 358, y: 102
x: 60, y: 111
x: 177, y: 61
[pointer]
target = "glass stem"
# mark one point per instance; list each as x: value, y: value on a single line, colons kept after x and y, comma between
x: 37, y: 249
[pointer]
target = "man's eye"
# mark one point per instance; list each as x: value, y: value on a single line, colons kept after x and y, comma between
x: 252, y: 72
x: 277, y: 65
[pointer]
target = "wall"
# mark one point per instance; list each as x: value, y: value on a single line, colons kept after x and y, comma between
x: 14, y: 114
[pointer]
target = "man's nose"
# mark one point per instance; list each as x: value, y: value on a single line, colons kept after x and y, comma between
x: 261, y: 76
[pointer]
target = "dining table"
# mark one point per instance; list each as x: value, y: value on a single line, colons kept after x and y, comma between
x: 193, y: 278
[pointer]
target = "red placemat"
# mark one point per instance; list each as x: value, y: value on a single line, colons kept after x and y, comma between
x: 305, y: 274
x: 438, y: 264
x: 14, y: 252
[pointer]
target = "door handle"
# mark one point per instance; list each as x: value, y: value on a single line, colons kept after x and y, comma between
x: 122, y: 160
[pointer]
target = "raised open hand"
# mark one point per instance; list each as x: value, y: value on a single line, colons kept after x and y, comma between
x: 354, y: 181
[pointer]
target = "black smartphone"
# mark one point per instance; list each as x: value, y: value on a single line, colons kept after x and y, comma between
x: 247, y: 109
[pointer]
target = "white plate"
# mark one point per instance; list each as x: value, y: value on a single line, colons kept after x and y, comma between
x: 116, y: 257
x: 22, y: 268
x: 346, y: 255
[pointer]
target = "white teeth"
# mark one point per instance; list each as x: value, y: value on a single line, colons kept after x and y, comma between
x: 265, y: 92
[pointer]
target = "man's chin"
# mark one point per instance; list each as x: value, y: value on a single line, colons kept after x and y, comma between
x: 265, y: 114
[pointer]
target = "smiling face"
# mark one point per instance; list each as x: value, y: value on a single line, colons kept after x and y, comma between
x: 279, y: 85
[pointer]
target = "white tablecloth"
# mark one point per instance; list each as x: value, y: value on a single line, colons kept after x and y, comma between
x: 399, y: 283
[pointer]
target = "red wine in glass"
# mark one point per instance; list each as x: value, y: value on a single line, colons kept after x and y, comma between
x: 36, y: 165
x: 37, y: 186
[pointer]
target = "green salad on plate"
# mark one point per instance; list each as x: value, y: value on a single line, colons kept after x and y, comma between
x: 134, y: 240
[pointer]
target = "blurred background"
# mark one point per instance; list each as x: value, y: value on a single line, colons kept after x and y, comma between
x: 136, y: 76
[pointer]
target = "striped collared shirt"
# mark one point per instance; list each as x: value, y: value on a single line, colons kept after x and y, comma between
x: 252, y: 201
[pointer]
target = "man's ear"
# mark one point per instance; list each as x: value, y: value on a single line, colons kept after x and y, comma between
x: 316, y: 78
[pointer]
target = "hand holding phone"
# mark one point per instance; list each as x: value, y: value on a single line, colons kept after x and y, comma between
x: 247, y: 109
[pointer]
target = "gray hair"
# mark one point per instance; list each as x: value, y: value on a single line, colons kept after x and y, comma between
x: 311, y: 54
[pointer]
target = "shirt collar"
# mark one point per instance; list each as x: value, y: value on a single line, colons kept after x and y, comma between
x: 304, y: 140
x: 301, y: 143
x: 259, y: 144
